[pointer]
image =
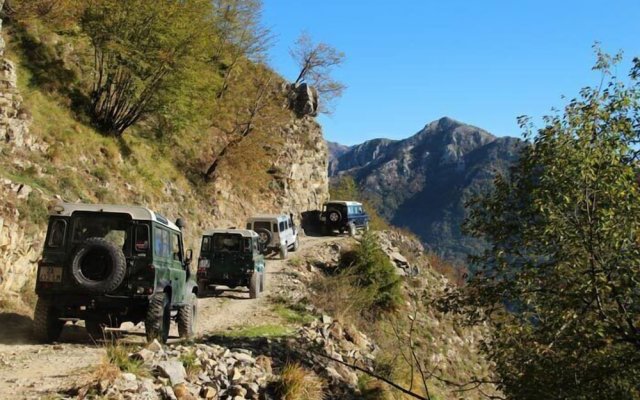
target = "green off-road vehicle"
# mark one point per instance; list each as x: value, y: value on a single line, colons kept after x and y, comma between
x: 107, y: 264
x: 231, y: 257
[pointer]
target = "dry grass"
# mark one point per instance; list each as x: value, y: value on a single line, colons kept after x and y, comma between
x: 118, y: 356
x: 338, y: 297
x: 298, y: 383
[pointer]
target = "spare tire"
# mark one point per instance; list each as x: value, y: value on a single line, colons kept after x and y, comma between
x: 265, y: 236
x: 98, y: 265
x: 334, y: 216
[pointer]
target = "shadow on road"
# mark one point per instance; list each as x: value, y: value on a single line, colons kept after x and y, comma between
x: 17, y: 329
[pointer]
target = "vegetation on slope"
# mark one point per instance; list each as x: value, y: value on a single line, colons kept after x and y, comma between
x: 564, y: 252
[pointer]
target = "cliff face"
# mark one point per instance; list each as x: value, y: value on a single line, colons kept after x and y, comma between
x: 423, y: 182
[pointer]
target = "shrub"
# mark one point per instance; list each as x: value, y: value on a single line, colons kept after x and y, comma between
x: 372, y: 271
x: 298, y: 383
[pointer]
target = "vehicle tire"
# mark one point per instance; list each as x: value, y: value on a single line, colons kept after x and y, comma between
x: 263, y: 281
x: 283, y: 252
x: 98, y: 265
x: 187, y: 317
x: 253, y: 285
x: 203, y: 289
x: 352, y: 230
x: 158, y: 319
x: 46, y: 325
x: 334, y: 216
x: 296, y: 245
x: 265, y: 237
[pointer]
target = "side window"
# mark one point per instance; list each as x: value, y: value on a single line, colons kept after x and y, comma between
x: 142, y: 238
x: 176, y: 254
x: 57, y: 233
x: 158, y: 245
x: 206, y: 244
x: 249, y: 225
x: 247, y: 245
x: 255, y: 245
x: 275, y: 227
x: 283, y: 226
x: 166, y: 244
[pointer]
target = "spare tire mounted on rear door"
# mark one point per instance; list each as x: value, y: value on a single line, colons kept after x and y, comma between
x: 98, y: 265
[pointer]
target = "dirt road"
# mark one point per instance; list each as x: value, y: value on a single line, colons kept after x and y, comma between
x: 32, y: 371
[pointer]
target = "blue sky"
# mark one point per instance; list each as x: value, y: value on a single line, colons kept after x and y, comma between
x: 481, y: 62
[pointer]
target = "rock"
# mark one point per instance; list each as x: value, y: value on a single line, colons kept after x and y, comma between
x: 237, y: 390
x: 303, y: 99
x: 127, y: 376
x: 154, y: 346
x: 253, y: 390
x: 326, y: 319
x: 144, y: 355
x: 208, y: 392
x: 245, y: 358
x: 182, y: 392
x: 264, y: 362
x: 174, y: 370
x: 167, y: 393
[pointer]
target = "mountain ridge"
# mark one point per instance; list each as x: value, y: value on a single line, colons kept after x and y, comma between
x: 422, y: 182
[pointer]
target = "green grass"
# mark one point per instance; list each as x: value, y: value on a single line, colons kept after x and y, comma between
x: 259, y: 331
x: 293, y: 314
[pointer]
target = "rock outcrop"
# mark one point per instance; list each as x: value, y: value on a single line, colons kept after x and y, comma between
x: 303, y: 99
x: 14, y: 118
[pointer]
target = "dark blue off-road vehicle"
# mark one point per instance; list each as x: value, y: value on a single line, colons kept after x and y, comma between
x: 344, y: 216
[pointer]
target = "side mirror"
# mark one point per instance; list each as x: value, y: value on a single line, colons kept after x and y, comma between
x: 188, y: 257
x: 180, y: 223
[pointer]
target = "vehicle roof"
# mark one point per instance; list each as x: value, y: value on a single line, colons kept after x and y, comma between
x: 344, y: 203
x: 243, y: 232
x: 136, y: 212
x: 258, y: 217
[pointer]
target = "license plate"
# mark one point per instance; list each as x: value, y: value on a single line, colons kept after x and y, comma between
x: 50, y: 274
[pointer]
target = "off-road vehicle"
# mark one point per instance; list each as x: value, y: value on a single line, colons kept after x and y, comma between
x: 278, y: 233
x: 107, y: 264
x: 344, y: 216
x: 231, y: 257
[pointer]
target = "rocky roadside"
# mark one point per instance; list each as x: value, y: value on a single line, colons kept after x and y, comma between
x: 216, y: 369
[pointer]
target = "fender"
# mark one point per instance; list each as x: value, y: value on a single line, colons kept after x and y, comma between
x: 162, y: 285
x: 191, y: 286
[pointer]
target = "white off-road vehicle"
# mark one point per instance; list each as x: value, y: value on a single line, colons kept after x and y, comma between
x: 278, y: 233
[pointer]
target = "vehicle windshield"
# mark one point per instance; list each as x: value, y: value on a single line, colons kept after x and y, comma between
x: 114, y: 228
x: 227, y: 242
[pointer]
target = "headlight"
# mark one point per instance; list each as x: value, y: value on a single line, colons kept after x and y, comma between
x: 203, y: 263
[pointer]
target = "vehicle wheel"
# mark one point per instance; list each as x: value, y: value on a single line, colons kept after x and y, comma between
x: 283, y: 252
x: 46, y: 325
x: 158, y: 319
x: 296, y: 245
x: 253, y: 285
x: 334, y: 216
x: 203, y: 289
x: 187, y: 317
x: 98, y: 265
x: 352, y: 230
x: 263, y: 281
x: 265, y: 237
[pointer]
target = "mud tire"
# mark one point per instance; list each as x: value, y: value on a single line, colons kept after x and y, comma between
x: 254, y: 289
x: 46, y: 325
x: 187, y: 318
x: 116, y: 263
x: 158, y: 319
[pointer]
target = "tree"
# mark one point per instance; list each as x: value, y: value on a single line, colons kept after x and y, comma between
x: 560, y: 280
x: 316, y: 62
x: 239, y: 34
x: 140, y: 47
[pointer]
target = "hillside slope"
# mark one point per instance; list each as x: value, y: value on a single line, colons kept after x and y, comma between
x: 49, y: 153
x: 423, y: 182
